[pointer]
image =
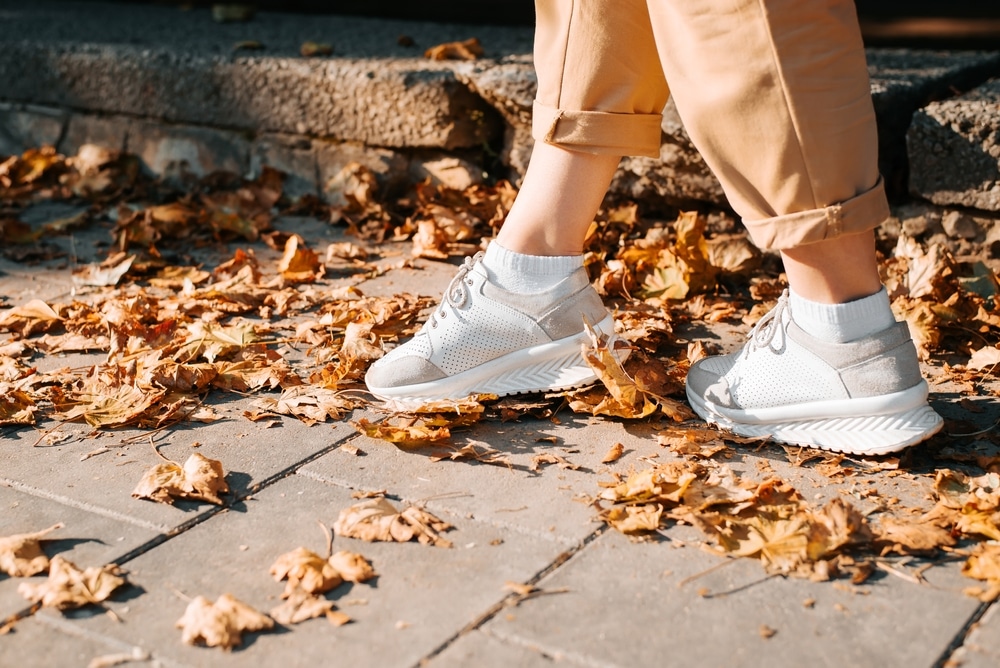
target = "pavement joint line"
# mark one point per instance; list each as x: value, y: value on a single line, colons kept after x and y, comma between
x: 503, y: 603
x: 963, y: 634
x: 88, y: 507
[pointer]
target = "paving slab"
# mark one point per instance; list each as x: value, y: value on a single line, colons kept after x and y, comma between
x: 551, y: 502
x: 486, y: 651
x: 628, y: 604
x: 981, y: 648
x: 250, y: 453
x: 87, y: 539
x: 53, y: 642
x: 422, y: 598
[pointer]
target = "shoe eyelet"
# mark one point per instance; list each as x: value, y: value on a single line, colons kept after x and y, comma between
x: 443, y: 314
x: 469, y: 281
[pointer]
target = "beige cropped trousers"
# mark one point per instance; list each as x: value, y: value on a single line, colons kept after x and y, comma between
x: 773, y: 93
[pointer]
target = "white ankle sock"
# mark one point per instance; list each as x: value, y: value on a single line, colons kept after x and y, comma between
x: 527, y: 274
x: 840, y: 323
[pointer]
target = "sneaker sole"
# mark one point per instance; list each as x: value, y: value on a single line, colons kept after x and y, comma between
x: 557, y: 365
x: 869, y: 426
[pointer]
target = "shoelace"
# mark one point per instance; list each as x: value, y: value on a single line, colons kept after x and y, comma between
x: 457, y: 292
x: 763, y: 332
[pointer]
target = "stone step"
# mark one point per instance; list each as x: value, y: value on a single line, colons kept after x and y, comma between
x: 954, y: 149
x: 172, y: 87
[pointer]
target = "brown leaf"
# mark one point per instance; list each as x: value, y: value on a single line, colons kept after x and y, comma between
x: 21, y: 555
x: 35, y: 316
x: 16, y: 407
x: 550, y: 458
x: 299, y: 263
x: 404, y: 436
x: 105, y: 273
x: 913, y: 537
x: 68, y: 587
x: 220, y: 624
x: 352, y: 566
x: 201, y: 478
x: 378, y: 520
x: 613, y: 454
x: 300, y: 606
x: 305, y: 570
x: 984, y: 564
x: 311, y: 49
x: 470, y: 49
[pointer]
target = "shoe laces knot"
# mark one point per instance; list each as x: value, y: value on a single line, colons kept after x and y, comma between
x: 457, y: 292
x: 763, y: 332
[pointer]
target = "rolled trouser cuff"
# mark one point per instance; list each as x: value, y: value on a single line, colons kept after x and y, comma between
x: 858, y: 214
x: 598, y: 131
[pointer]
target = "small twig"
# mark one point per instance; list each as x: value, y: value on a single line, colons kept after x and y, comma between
x: 903, y: 575
x: 976, y: 433
x: 708, y: 571
x: 329, y: 538
x: 179, y: 594
x: 742, y: 587
x: 46, y: 433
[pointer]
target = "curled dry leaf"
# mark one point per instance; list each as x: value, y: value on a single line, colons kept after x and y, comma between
x: 550, y: 458
x: 613, y: 454
x: 68, y: 587
x: 984, y: 564
x: 200, y: 478
x: 378, y: 520
x: 404, y: 436
x: 300, y: 606
x: 21, y: 555
x: 16, y: 406
x: 305, y: 570
x: 220, y: 624
x: 470, y: 49
x: 352, y: 566
x: 299, y: 263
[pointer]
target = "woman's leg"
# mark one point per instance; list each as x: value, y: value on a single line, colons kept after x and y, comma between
x: 775, y: 95
x: 513, y: 319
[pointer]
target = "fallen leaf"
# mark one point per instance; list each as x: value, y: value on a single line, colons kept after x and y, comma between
x: 470, y: 49
x: 378, y: 520
x: 311, y: 49
x: 613, y: 454
x: 21, y: 555
x: 68, y: 587
x: 305, y: 570
x: 300, y: 606
x: 220, y: 624
x: 200, y: 478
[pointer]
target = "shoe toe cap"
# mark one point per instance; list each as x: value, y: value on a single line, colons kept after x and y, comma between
x: 400, y: 372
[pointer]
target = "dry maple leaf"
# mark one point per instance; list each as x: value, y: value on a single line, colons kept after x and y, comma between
x: 68, y: 587
x: 35, y: 316
x: 404, y: 436
x: 200, y: 478
x: 299, y: 263
x: 550, y: 458
x: 378, y: 520
x: 308, y: 403
x: 220, y: 624
x: 352, y: 566
x: 21, y: 555
x: 477, y: 451
x: 16, y: 406
x: 984, y: 564
x: 300, y: 606
x: 918, y: 536
x: 305, y: 570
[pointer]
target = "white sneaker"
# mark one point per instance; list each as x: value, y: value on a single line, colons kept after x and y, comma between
x: 865, y: 397
x: 482, y: 339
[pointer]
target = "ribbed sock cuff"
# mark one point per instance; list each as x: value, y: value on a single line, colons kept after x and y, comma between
x: 840, y: 323
x: 527, y: 274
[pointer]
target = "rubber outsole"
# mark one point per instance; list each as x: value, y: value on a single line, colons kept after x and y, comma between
x: 862, y: 434
x: 554, y: 366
